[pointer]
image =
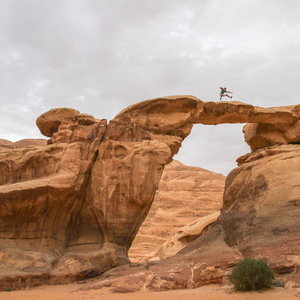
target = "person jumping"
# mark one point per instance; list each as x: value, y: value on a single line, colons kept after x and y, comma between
x: 224, y: 93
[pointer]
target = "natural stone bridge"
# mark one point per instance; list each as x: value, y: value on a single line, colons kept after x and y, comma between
x: 71, y: 208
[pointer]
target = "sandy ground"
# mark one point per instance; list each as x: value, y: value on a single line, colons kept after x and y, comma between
x: 210, y: 292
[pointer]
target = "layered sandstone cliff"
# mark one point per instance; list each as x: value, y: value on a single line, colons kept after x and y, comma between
x: 184, y: 195
x: 71, y: 209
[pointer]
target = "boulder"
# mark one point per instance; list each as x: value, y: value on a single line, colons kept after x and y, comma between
x: 261, y: 135
x: 185, y: 236
x: 49, y: 122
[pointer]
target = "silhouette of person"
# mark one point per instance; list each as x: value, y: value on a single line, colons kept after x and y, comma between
x: 224, y: 93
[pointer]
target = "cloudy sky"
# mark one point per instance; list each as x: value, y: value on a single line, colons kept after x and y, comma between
x: 99, y: 56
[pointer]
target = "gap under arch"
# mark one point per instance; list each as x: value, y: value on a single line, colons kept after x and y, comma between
x: 213, y: 147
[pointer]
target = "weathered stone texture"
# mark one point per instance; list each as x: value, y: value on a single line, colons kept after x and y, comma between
x: 71, y: 208
x: 184, y: 195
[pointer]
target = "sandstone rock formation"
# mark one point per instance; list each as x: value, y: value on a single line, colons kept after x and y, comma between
x: 206, y: 260
x: 184, y: 195
x: 260, y: 135
x: 185, y: 236
x: 259, y: 218
x: 261, y: 209
x: 71, y: 209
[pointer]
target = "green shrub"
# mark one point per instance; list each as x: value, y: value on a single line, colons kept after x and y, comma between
x: 251, y: 274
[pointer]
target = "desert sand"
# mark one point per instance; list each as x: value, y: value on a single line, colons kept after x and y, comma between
x: 209, y: 292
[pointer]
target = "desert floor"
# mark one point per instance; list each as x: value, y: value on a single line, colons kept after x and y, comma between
x: 213, y: 292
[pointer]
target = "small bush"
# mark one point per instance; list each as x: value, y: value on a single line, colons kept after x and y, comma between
x: 251, y: 274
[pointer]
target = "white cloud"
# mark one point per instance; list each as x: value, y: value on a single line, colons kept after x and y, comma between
x: 100, y: 56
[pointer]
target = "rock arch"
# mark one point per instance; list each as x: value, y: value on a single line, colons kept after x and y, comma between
x: 79, y: 217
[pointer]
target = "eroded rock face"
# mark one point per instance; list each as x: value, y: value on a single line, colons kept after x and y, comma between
x: 184, y: 195
x: 260, y: 214
x: 71, y: 209
x: 261, y: 135
x: 259, y: 218
x: 185, y: 236
x: 41, y: 197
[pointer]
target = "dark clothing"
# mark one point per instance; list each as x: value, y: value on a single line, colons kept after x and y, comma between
x: 223, y: 91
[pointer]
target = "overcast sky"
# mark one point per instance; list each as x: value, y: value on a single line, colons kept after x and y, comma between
x: 99, y: 56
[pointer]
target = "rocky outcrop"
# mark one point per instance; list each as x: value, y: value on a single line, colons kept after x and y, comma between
x: 71, y: 209
x: 261, y: 135
x: 259, y: 218
x: 275, y: 121
x: 41, y: 196
x: 261, y: 208
x: 185, y: 236
x: 184, y: 195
